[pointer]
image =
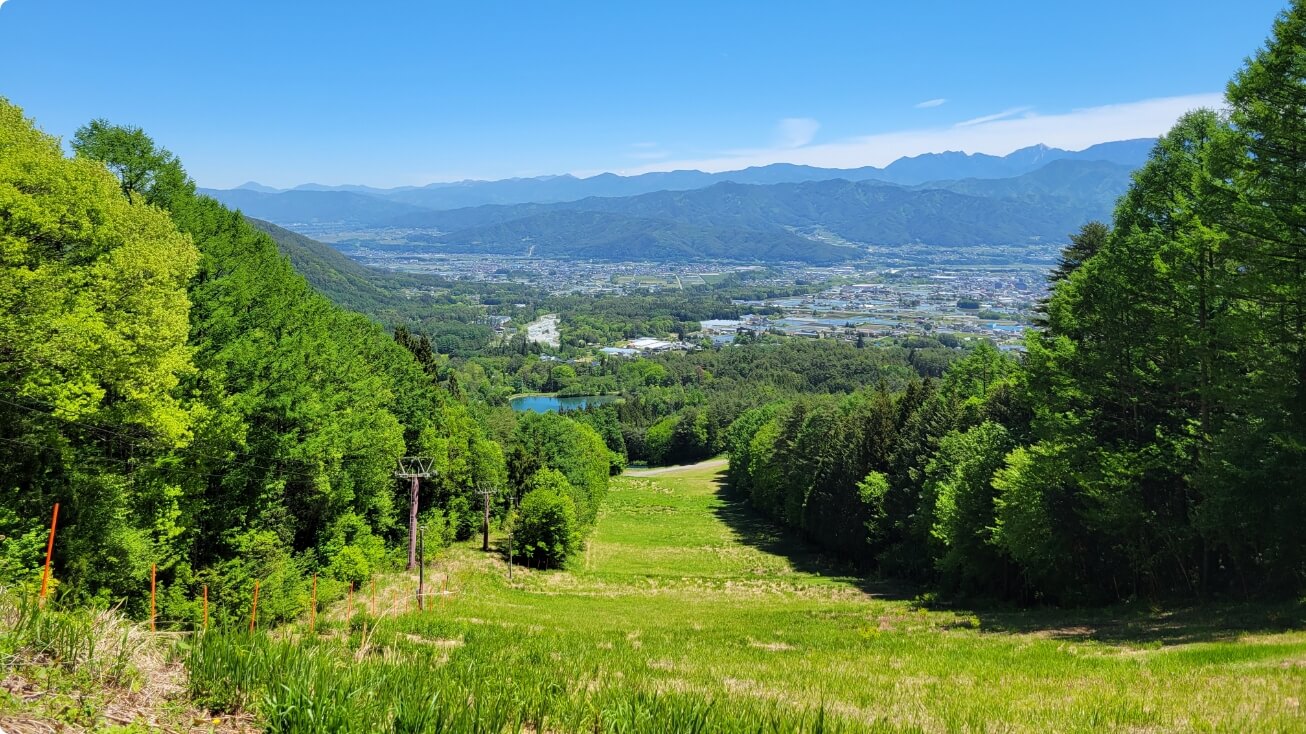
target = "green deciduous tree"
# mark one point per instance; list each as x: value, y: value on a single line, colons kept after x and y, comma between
x: 547, y: 530
x: 93, y: 354
x: 575, y: 449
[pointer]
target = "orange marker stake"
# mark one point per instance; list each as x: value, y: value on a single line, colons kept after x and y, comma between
x: 349, y: 609
x: 206, y: 606
x: 154, y: 571
x: 49, y: 551
x: 373, y: 597
x: 312, y: 607
x: 253, y: 614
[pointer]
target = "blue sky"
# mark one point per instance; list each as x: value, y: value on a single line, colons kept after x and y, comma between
x: 401, y: 93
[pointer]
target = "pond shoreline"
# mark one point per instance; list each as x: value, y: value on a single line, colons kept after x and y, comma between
x: 552, y: 402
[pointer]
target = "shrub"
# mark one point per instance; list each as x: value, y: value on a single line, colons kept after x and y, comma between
x: 350, y: 564
x: 546, y: 528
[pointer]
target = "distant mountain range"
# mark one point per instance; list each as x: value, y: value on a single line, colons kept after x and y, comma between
x: 769, y: 213
x: 872, y: 212
x: 301, y: 206
x: 908, y: 171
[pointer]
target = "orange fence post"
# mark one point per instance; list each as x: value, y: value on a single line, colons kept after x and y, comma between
x: 312, y: 607
x: 49, y: 551
x: 253, y: 614
x: 373, y: 597
x: 349, y: 609
x: 206, y: 606
x: 154, y: 572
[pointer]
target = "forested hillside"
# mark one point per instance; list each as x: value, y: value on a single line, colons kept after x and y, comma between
x: 601, y: 235
x: 451, y: 312
x: 193, y: 404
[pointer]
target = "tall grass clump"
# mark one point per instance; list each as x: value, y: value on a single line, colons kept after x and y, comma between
x: 97, y: 645
x: 386, y: 683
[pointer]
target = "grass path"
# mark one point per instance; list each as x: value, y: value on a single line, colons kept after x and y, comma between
x: 681, y: 589
x: 697, y: 469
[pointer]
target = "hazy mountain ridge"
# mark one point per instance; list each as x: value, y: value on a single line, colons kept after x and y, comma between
x: 598, y: 235
x: 757, y: 219
x: 297, y: 207
x: 1043, y: 206
x: 909, y: 171
x: 1086, y: 188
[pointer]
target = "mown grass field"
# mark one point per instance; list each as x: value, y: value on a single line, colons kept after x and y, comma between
x: 686, y: 613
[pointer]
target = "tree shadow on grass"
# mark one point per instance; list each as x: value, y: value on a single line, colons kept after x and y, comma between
x: 1172, y: 623
x: 761, y: 533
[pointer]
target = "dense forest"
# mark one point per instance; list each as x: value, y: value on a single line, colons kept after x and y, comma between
x: 1152, y: 440
x: 193, y: 404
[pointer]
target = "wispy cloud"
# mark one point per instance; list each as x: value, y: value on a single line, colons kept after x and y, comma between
x: 997, y: 135
x: 929, y: 103
x: 995, y: 116
x: 795, y: 132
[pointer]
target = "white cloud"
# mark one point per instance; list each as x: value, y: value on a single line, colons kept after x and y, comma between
x: 996, y: 116
x: 795, y: 132
x: 929, y: 103
x: 998, y: 135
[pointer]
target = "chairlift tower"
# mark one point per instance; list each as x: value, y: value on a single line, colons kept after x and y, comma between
x: 414, y: 468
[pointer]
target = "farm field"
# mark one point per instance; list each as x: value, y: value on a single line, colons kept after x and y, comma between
x: 686, y: 613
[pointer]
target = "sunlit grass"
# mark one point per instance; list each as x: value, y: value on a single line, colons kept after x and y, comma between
x: 685, y: 613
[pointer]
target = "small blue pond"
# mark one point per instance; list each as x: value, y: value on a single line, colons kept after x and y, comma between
x: 552, y: 403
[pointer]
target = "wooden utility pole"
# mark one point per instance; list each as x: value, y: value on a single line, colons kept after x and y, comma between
x: 414, y: 468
